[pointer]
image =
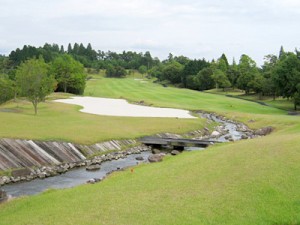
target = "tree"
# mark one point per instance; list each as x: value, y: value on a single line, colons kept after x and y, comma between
x: 203, y: 80
x: 220, y: 79
x: 62, y: 50
x: 257, y: 84
x: 69, y: 74
x: 172, y: 72
x: 248, y: 70
x: 219, y: 76
x: 34, y: 81
x: 143, y: 69
x: 6, y: 89
x: 70, y: 50
x: 287, y: 78
x: 281, y: 53
x: 156, y: 71
x: 115, y: 71
x: 191, y: 69
x: 233, y: 74
x: 269, y: 85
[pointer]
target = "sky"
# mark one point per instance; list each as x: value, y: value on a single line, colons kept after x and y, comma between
x: 193, y: 28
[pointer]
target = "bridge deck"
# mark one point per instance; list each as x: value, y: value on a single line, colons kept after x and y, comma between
x: 178, y: 142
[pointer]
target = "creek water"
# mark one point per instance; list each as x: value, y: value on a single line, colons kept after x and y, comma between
x: 80, y: 176
x: 73, y: 177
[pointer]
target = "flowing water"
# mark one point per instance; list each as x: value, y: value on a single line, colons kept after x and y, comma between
x: 73, y: 177
x: 80, y: 176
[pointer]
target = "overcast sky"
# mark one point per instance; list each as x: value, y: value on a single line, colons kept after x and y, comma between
x: 194, y: 28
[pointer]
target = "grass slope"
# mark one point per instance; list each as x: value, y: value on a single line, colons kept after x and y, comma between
x: 279, y: 102
x: 248, y: 182
x: 138, y: 90
x: 57, y: 121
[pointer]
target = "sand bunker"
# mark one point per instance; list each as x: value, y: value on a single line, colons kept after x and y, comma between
x: 120, y: 107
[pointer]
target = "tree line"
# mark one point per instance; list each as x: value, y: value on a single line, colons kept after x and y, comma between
x: 34, y: 78
x: 279, y: 75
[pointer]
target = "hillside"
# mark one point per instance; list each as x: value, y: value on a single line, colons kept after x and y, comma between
x: 248, y: 182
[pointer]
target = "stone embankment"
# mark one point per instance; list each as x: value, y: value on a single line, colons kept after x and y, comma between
x: 37, y: 159
x: 27, y: 153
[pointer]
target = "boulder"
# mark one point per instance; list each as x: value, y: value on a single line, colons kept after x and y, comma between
x: 139, y: 158
x: 228, y: 137
x: 155, y: 158
x: 175, y: 152
x: 42, y: 175
x: 215, y: 133
x: 6, y: 180
x: 21, y: 172
x: 155, y: 151
x: 3, y: 195
x: 93, y: 180
x: 93, y: 167
x: 244, y: 136
x: 264, y: 131
x: 60, y: 170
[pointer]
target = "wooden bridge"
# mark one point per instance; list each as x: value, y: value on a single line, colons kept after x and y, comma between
x: 176, y: 143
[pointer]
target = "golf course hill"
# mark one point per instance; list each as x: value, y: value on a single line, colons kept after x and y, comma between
x: 252, y: 181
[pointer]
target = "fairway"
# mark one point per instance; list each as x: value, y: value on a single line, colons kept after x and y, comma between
x: 247, y: 182
x: 157, y: 95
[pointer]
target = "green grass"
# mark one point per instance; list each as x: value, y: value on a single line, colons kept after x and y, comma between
x: 155, y: 94
x: 279, y: 102
x: 57, y: 121
x: 247, y: 182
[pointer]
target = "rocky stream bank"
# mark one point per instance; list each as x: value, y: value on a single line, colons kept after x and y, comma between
x: 36, y: 159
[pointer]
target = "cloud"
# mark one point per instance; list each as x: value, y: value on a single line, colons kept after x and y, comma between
x: 195, y: 28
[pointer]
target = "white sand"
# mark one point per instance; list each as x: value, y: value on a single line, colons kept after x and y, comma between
x: 120, y: 107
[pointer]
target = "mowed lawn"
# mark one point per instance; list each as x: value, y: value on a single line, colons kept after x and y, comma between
x: 155, y: 94
x: 247, y: 182
x: 278, y: 102
x: 58, y: 121
x: 64, y: 122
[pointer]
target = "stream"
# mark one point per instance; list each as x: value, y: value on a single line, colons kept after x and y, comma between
x: 81, y: 175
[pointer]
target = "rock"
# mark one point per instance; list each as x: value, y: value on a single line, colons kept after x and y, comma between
x: 264, y: 131
x: 91, y: 181
x: 3, y: 195
x: 139, y: 158
x: 155, y: 151
x: 93, y: 167
x: 21, y: 172
x: 230, y: 139
x: 42, y: 175
x: 244, y: 136
x: 15, y: 179
x: 175, y: 152
x: 155, y: 158
x: 215, y: 133
x: 6, y: 180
